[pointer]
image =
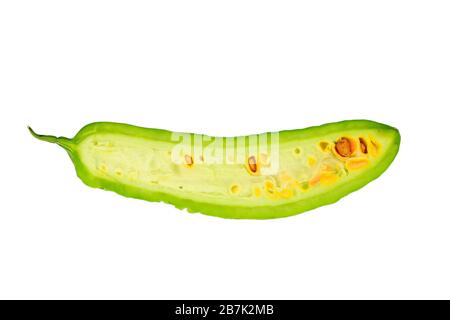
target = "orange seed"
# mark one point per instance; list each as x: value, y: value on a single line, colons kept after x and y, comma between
x: 252, y: 164
x: 363, y: 145
x: 189, y: 160
x: 344, y: 147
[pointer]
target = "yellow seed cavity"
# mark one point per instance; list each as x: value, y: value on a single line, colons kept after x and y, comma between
x: 257, y: 191
x: 118, y: 172
x: 235, y: 189
x: 356, y: 164
x: 270, y: 190
x: 328, y: 178
x: 374, y: 147
x: 269, y: 185
x: 286, y: 193
x: 312, y: 161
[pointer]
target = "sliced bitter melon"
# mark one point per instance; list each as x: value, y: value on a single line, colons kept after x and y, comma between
x: 262, y: 176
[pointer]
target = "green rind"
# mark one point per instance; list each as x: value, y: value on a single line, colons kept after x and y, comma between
x: 232, y: 211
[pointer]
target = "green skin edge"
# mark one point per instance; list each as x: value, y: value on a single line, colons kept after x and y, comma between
x: 231, y: 211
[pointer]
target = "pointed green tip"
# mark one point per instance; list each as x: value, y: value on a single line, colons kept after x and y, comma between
x: 51, y: 139
x: 61, y: 141
x: 34, y: 134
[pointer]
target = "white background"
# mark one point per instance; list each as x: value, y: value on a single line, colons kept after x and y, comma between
x: 223, y: 68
